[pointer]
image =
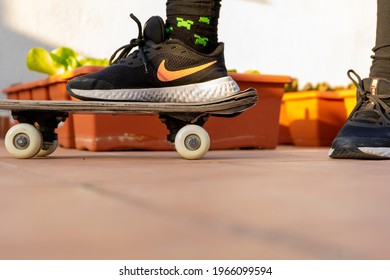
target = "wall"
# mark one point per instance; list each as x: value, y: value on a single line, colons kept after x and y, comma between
x: 314, y: 40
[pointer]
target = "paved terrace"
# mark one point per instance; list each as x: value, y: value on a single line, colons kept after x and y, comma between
x: 288, y: 203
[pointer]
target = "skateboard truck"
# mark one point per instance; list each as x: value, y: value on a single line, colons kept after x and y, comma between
x: 186, y: 133
x: 46, y: 122
x: 177, y: 122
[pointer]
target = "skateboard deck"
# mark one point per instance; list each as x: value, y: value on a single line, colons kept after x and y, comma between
x: 225, y: 106
x: 35, y: 134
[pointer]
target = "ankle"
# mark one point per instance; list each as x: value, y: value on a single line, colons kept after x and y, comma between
x: 198, y: 32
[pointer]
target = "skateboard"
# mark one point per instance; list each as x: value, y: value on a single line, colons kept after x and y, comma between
x: 35, y: 134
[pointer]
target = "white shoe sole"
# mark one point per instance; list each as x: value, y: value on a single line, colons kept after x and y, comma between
x: 201, y: 92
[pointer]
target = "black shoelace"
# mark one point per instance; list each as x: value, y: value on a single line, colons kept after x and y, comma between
x: 369, y: 102
x: 126, y: 49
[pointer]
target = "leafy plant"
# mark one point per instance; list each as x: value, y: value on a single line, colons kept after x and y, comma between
x: 59, y: 60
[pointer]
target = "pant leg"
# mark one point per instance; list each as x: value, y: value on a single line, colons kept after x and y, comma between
x: 194, y: 22
x: 381, y: 59
x: 194, y: 7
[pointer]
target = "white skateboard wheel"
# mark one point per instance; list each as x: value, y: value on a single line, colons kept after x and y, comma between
x: 192, y: 142
x: 49, y: 149
x: 23, y: 141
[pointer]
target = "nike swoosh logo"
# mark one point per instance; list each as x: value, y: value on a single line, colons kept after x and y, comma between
x: 165, y: 75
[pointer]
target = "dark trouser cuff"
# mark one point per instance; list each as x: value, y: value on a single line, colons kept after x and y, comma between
x: 207, y: 8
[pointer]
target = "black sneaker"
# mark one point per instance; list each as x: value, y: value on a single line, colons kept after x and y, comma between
x: 366, y: 133
x: 159, y: 71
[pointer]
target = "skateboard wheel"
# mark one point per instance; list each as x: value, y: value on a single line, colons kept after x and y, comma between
x: 23, y: 141
x: 192, y: 142
x: 51, y: 147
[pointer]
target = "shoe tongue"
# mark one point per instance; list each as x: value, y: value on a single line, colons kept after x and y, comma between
x: 377, y: 86
x: 154, y: 30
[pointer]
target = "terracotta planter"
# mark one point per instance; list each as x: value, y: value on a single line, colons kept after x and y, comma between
x: 312, y: 118
x: 4, y: 126
x: 256, y: 128
x: 103, y: 132
x: 259, y: 126
x: 52, y: 88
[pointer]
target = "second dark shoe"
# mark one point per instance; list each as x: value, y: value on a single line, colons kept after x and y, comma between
x: 366, y: 133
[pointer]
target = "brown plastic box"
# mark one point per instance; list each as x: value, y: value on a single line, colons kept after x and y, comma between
x: 4, y: 126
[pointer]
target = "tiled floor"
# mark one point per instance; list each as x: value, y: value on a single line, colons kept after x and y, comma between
x: 288, y: 203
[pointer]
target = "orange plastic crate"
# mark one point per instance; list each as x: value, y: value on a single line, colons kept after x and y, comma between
x: 312, y: 118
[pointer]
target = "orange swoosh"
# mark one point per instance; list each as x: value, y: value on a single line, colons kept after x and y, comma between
x: 165, y: 75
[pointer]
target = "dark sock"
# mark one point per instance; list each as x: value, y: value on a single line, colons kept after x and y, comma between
x: 195, y: 22
x: 380, y: 67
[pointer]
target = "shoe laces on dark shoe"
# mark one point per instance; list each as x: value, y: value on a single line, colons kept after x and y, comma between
x: 373, y: 99
x: 154, y: 33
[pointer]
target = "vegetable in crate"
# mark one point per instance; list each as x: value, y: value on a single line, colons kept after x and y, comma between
x: 59, y: 60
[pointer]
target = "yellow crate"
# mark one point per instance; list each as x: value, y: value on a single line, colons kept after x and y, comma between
x: 313, y: 118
